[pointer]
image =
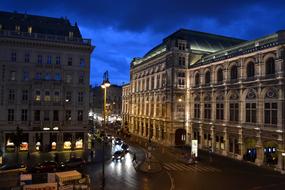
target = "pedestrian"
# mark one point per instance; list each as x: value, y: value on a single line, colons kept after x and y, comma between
x: 135, y: 158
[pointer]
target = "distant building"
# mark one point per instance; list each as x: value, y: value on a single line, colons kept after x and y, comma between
x: 44, y: 83
x: 113, y: 102
x: 226, y: 93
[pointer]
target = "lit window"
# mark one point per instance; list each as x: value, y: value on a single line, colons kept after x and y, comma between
x: 17, y: 28
x: 70, y: 34
x: 30, y: 29
x: 47, y: 96
x: 38, y: 95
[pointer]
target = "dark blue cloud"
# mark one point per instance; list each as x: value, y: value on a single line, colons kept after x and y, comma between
x: 124, y: 29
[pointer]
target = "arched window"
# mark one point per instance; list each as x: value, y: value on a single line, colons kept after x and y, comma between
x: 250, y: 107
x: 207, y: 77
x: 250, y: 70
x: 207, y: 106
x: 220, y: 76
x: 197, y: 79
x: 270, y: 66
x: 234, y: 72
x: 234, y: 107
x: 270, y: 107
x: 197, y: 107
x: 220, y: 107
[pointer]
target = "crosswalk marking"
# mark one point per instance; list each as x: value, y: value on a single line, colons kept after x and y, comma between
x: 176, y: 166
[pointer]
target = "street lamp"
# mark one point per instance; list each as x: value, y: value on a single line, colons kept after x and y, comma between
x: 104, y: 85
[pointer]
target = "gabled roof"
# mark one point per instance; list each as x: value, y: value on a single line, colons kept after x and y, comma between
x: 39, y: 24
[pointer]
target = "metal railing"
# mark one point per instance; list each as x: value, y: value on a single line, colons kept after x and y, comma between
x: 45, y: 37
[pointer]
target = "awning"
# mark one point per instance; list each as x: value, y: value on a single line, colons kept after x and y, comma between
x: 68, y: 176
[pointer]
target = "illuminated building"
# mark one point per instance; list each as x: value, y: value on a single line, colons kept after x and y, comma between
x: 44, y: 88
x: 226, y: 93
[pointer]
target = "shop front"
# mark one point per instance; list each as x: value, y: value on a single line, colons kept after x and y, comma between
x: 67, y: 139
x: 79, y: 137
x: 53, y: 141
x: 39, y: 141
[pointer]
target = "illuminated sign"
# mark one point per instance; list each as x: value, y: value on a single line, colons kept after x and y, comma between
x: 194, y: 148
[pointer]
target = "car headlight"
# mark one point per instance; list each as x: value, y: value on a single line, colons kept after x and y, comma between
x: 119, y: 157
x: 113, y: 156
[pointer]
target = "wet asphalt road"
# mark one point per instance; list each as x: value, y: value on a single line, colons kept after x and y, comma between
x: 122, y: 175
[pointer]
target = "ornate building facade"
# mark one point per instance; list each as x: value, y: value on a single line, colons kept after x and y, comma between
x: 226, y: 93
x: 44, y: 83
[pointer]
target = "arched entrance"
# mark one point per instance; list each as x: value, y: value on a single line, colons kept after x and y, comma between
x: 270, y: 153
x: 250, y: 148
x: 180, y: 137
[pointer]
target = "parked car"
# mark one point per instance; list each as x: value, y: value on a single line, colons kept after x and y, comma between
x: 12, y: 166
x: 118, y: 155
x: 125, y: 147
x: 75, y: 163
x: 118, y: 141
x: 48, y: 166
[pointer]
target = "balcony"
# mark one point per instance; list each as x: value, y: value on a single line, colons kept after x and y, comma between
x: 44, y: 37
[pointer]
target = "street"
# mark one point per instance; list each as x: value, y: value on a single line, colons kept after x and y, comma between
x: 220, y: 173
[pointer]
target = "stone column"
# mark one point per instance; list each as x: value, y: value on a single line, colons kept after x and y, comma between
x: 241, y: 145
x: 259, y: 151
x: 226, y: 142
x: 59, y: 143
x: 200, y: 145
x: 32, y: 142
x: 45, y: 140
x: 213, y: 138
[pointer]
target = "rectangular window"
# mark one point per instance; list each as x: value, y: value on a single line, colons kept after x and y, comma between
x: 68, y: 97
x: 40, y: 59
x: 82, y: 62
x: 46, y: 115
x: 207, y: 111
x: 11, y: 95
x: 270, y: 113
x: 47, y: 96
x: 27, y: 58
x: 48, y: 59
x: 37, y: 116
x: 197, y: 111
x: 10, y: 114
x: 250, y: 112
x: 68, y: 78
x: 81, y: 78
x: 69, y: 61
x: 38, y: 95
x: 38, y: 76
x: 24, y: 95
x: 57, y: 76
x: 56, y: 96
x: 220, y: 111
x: 13, y: 75
x: 57, y: 60
x: 181, y: 61
x: 13, y: 57
x: 55, y: 115
x: 80, y: 115
x: 24, y: 116
x: 68, y: 115
x: 234, y: 112
x: 80, y: 97
x: 158, y: 81
x: 25, y: 75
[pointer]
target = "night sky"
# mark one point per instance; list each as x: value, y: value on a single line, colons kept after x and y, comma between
x: 124, y: 29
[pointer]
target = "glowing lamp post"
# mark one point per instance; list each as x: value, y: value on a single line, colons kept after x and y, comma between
x: 104, y: 85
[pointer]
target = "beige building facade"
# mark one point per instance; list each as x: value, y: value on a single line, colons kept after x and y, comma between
x: 44, y: 83
x: 226, y: 93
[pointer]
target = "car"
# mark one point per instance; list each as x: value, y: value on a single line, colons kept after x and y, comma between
x: 45, y: 167
x: 118, y: 141
x: 12, y: 166
x: 75, y: 163
x: 125, y: 147
x: 118, y: 155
